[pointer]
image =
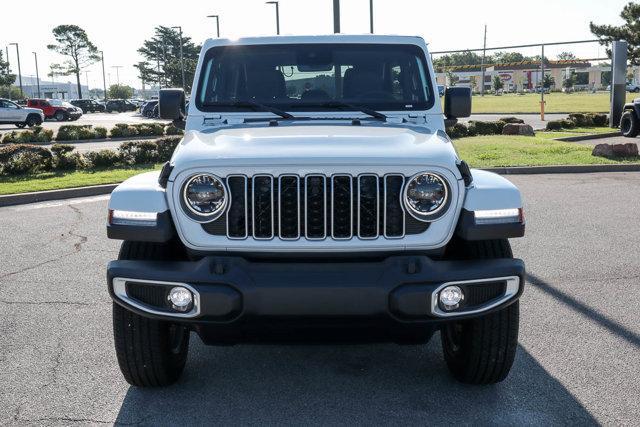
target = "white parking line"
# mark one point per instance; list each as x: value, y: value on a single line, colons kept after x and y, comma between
x: 65, y: 202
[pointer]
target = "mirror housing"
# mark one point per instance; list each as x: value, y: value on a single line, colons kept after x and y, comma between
x: 457, y: 102
x: 171, y: 104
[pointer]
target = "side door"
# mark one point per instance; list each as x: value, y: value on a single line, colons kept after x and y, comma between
x: 10, y: 112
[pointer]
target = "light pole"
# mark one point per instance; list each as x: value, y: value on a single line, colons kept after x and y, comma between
x: 19, y: 70
x: 35, y: 56
x: 277, y: 15
x: 371, y: 16
x: 181, y: 58
x: 117, y: 67
x: 86, y: 76
x: 104, y: 80
x: 217, y: 23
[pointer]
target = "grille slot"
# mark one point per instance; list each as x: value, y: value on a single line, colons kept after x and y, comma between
x: 315, y: 207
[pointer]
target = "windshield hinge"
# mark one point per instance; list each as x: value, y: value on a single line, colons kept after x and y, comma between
x: 417, y: 119
x: 213, y: 120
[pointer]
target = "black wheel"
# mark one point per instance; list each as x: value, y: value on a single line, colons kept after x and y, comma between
x: 482, y: 350
x: 60, y: 116
x: 150, y: 353
x: 33, y: 121
x: 629, y: 124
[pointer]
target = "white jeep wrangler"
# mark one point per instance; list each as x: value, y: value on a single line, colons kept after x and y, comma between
x: 315, y: 196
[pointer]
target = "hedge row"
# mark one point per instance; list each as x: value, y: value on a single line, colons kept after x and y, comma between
x: 24, y: 158
x: 81, y: 132
x: 475, y: 128
x: 579, y: 120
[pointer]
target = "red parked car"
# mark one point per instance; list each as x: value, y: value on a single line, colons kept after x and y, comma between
x: 56, y: 109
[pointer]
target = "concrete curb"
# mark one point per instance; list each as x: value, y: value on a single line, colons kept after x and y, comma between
x: 67, y: 193
x: 96, y: 190
x: 589, y: 137
x: 532, y: 170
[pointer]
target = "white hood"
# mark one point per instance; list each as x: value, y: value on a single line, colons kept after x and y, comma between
x: 314, y: 144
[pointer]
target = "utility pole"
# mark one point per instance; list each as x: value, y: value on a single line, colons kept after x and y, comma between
x: 618, y: 81
x: 217, y: 23
x: 164, y: 60
x: 484, y: 57
x: 336, y: 16
x: 104, y: 80
x: 35, y: 55
x: 542, y: 102
x: 19, y: 70
x: 371, y: 16
x: 86, y: 76
x: 184, y: 85
x: 277, y: 15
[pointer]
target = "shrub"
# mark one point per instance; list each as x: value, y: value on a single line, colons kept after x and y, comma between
x: 35, y: 134
x: 103, y: 158
x: 512, y: 120
x: 123, y: 130
x: 21, y: 158
x: 71, y: 161
x: 61, y: 149
x: 173, y: 130
x: 485, y: 128
x: 136, y: 152
x: 554, y: 125
x: 568, y: 124
x: 100, y: 132
x: 150, y: 129
x: 599, y: 120
x: 581, y: 120
x: 459, y: 130
x: 166, y: 147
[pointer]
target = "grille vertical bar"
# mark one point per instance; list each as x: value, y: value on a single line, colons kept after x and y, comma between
x: 315, y: 207
x: 289, y: 207
x: 238, y: 215
x: 341, y: 207
x: 262, y: 207
x: 394, y: 217
x: 368, y: 206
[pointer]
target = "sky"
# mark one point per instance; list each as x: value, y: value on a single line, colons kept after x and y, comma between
x: 119, y: 27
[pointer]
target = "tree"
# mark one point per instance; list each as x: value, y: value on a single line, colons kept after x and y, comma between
x: 629, y: 31
x: 507, y: 57
x: 452, y: 78
x: 569, y: 81
x: 548, y: 81
x: 96, y: 93
x: 473, y: 83
x: 566, y: 56
x: 73, y: 42
x: 6, y: 78
x: 10, y: 92
x: 120, y: 92
x: 162, y: 58
x: 497, y: 83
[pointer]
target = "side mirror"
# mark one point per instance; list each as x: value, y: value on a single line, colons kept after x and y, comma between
x: 171, y: 104
x: 457, y: 102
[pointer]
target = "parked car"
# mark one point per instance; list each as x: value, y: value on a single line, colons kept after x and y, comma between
x: 441, y: 89
x: 12, y: 113
x: 88, y: 105
x: 267, y: 225
x: 147, y: 109
x: 120, y: 106
x: 632, y: 87
x: 56, y: 109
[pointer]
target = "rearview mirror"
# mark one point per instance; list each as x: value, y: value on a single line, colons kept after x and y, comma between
x: 457, y: 102
x: 171, y: 104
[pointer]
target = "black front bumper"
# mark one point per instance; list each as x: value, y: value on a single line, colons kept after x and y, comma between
x: 233, y: 292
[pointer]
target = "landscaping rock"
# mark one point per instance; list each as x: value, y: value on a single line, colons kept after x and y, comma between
x: 612, y: 151
x: 518, y: 129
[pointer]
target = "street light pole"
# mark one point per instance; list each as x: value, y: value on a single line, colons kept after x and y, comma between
x: 336, y: 16
x: 277, y: 15
x: 181, y: 58
x: 104, y: 80
x: 371, y: 16
x: 86, y: 76
x: 117, y: 67
x: 217, y: 23
x: 19, y: 70
x: 35, y: 55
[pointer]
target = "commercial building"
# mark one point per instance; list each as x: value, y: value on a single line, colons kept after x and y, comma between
x: 50, y: 89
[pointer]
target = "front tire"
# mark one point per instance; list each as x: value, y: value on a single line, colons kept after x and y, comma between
x: 482, y: 350
x: 629, y: 124
x: 150, y: 353
x: 60, y: 116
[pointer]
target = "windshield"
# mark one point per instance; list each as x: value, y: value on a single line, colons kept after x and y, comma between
x: 308, y: 77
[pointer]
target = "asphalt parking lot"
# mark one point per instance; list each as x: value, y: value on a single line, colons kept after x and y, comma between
x: 578, y: 360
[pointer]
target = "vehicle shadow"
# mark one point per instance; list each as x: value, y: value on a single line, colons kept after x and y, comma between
x: 318, y: 384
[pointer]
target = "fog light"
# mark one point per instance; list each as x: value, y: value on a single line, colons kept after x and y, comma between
x: 181, y: 299
x: 450, y: 297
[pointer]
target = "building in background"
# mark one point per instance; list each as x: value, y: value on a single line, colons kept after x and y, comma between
x: 51, y: 89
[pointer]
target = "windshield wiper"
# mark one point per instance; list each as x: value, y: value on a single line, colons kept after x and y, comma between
x: 255, y: 106
x: 346, y: 106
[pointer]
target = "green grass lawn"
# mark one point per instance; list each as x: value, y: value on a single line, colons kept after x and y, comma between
x: 580, y: 102
x: 57, y: 180
x: 497, y: 151
x: 575, y: 132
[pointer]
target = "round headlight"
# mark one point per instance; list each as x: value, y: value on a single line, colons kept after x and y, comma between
x: 204, y: 197
x: 425, y: 196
